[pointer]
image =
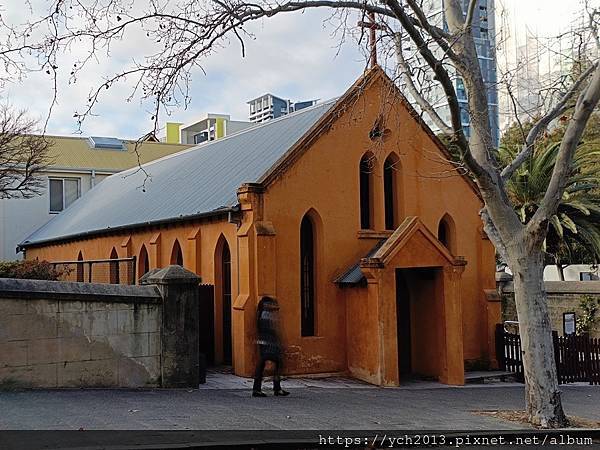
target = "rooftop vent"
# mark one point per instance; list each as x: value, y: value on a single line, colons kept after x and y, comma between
x: 106, y: 143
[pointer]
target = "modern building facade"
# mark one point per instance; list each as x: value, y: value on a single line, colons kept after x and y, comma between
x: 207, y: 128
x: 484, y: 34
x: 77, y: 165
x: 269, y: 106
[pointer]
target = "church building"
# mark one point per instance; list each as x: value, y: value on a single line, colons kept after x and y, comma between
x: 348, y: 212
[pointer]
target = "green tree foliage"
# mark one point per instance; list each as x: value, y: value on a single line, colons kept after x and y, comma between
x: 574, y: 232
x: 32, y: 270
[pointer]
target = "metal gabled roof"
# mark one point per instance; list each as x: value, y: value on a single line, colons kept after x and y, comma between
x: 353, y: 275
x: 190, y: 183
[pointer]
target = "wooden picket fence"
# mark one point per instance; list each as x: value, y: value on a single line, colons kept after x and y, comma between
x: 578, y: 357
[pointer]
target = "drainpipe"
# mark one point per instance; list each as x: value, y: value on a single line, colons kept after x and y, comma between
x: 93, y: 178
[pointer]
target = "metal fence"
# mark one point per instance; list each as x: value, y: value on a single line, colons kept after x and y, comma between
x: 109, y: 271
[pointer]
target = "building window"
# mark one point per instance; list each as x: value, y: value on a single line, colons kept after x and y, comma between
x: 114, y: 267
x: 144, y: 262
x: 446, y: 233
x: 366, y: 191
x: 307, y: 276
x: 63, y: 192
x: 80, y: 268
x: 588, y: 276
x: 391, y: 166
x: 177, y: 254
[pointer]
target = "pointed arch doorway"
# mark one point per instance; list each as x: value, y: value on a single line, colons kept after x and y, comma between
x: 223, y: 316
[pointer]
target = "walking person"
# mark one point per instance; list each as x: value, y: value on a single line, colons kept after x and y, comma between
x: 269, y: 346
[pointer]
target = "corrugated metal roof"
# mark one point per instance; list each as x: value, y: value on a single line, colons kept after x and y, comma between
x: 196, y: 181
x: 75, y: 153
x: 353, y: 275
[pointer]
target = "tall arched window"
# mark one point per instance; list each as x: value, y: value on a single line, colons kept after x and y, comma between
x: 226, y: 301
x: 80, y: 268
x: 114, y: 267
x: 391, y: 166
x: 307, y: 276
x: 143, y: 262
x: 366, y: 191
x: 446, y: 233
x: 177, y: 254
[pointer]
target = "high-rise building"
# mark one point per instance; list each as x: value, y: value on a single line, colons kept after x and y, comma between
x: 484, y: 32
x: 539, y: 64
x: 269, y: 106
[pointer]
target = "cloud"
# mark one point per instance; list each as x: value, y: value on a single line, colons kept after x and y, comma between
x: 293, y: 56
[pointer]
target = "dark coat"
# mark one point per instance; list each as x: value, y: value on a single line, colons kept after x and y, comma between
x: 268, y: 339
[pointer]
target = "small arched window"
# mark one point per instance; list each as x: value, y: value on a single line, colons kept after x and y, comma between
x: 307, y: 276
x: 114, y: 267
x: 177, y: 254
x: 391, y: 167
x: 143, y: 262
x: 366, y: 191
x: 80, y: 268
x: 446, y: 233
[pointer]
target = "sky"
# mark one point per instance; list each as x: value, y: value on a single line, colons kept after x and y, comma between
x: 293, y: 56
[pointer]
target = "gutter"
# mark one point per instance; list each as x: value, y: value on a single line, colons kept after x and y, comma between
x: 217, y: 212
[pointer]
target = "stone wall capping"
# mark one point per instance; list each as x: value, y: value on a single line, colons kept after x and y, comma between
x: 173, y: 274
x: 563, y: 287
x: 88, y: 292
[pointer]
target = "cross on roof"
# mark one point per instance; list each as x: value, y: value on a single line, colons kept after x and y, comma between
x: 372, y: 25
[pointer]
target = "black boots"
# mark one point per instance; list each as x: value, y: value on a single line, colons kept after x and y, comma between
x: 277, y: 391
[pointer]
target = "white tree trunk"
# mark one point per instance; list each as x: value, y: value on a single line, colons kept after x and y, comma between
x: 542, y: 394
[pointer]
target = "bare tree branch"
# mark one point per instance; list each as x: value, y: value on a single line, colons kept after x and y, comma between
x: 404, y: 72
x: 23, y: 155
x: 587, y: 101
x: 542, y: 124
x: 470, y: 15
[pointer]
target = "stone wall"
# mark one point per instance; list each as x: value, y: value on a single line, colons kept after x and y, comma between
x: 563, y: 297
x: 77, y: 334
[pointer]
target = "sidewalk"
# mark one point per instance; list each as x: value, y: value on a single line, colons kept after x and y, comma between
x: 224, y: 403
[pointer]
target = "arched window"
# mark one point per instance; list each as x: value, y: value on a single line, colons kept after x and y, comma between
x: 391, y: 166
x: 80, y: 268
x: 177, y: 254
x: 446, y: 233
x: 366, y: 191
x: 307, y: 276
x: 143, y: 262
x: 114, y: 267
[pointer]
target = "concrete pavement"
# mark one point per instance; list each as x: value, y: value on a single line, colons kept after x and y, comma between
x: 313, y: 404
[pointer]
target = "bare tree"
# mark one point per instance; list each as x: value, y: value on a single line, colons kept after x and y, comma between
x: 186, y: 31
x: 23, y: 155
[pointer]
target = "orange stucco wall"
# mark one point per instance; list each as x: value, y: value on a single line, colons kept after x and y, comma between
x: 324, y: 182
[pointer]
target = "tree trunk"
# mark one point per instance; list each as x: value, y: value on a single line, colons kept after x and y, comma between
x: 561, y: 272
x: 542, y: 394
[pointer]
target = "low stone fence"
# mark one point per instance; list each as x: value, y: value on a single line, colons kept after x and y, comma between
x: 563, y: 297
x: 64, y: 334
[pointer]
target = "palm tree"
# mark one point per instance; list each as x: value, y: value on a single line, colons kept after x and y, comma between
x: 574, y: 235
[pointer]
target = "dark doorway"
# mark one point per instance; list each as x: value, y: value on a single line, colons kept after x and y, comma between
x: 403, y: 324
x: 226, y: 302
x: 207, y: 322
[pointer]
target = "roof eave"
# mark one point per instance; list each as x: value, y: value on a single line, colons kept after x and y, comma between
x: 217, y: 212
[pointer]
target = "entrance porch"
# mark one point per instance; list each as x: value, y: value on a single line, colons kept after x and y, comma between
x: 406, y: 320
